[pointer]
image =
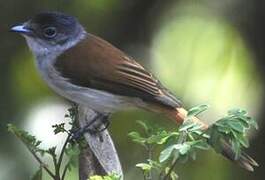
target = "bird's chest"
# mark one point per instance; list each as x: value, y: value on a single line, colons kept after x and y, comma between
x: 98, y: 100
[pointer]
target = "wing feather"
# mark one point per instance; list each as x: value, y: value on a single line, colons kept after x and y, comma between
x: 104, y: 67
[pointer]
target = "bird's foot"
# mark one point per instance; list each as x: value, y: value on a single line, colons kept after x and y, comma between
x: 91, y: 128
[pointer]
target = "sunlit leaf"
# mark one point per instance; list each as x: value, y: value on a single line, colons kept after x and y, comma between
x: 197, y: 110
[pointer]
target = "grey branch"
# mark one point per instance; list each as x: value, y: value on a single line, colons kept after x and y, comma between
x: 100, y: 156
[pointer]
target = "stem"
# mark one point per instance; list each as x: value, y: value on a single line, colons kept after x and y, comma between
x: 171, y: 169
x: 58, y: 165
x: 57, y: 171
x: 38, y: 159
x: 64, y: 172
x: 150, y: 153
x: 181, y: 139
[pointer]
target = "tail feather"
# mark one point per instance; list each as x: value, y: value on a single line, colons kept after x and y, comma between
x: 245, y: 161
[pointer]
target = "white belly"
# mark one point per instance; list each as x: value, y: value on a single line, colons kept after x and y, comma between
x: 97, y: 100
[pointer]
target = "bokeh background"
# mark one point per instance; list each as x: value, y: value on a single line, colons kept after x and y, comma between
x: 205, y: 51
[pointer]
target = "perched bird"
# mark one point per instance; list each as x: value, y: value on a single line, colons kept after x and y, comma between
x: 91, y: 72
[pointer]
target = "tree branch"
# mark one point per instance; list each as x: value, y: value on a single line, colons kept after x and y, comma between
x: 100, y: 156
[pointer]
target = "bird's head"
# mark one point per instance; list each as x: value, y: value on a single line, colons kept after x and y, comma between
x: 50, y: 32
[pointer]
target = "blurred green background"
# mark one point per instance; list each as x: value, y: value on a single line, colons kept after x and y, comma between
x: 205, y: 51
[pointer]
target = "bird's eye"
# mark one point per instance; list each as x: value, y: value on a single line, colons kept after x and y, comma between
x: 50, y: 32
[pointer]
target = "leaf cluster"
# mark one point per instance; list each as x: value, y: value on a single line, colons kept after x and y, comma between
x: 70, y: 148
x: 233, y: 129
x: 183, y: 144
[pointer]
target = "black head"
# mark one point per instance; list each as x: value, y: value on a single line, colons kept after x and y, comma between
x: 53, y: 27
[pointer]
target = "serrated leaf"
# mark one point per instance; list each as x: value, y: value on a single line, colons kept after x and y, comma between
x: 29, y: 140
x: 59, y: 128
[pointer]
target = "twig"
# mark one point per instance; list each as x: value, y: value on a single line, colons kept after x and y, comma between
x: 61, y: 155
x: 64, y: 171
x: 181, y: 139
x: 149, y: 149
x: 38, y: 159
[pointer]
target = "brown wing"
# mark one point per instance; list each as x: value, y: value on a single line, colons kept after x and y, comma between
x: 102, y: 66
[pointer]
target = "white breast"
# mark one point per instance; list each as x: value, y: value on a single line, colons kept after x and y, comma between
x: 95, y: 99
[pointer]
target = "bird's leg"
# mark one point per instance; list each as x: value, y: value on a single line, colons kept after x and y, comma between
x: 94, y: 130
x: 105, y: 121
x: 76, y: 134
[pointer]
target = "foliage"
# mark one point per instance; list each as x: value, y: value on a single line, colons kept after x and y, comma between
x: 183, y: 144
x: 112, y: 176
x: 71, y: 149
x: 174, y: 147
x: 232, y: 128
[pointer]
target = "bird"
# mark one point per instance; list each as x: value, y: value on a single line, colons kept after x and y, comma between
x: 91, y: 72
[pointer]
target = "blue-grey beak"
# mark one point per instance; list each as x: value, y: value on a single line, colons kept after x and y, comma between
x: 21, y: 29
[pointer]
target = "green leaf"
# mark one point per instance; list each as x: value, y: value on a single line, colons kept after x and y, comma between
x: 30, y: 141
x: 51, y: 151
x: 72, y: 152
x: 184, y: 148
x: 160, y: 137
x: 236, y: 125
x: 197, y: 110
x: 237, y: 112
x: 242, y: 139
x: 155, y: 164
x: 96, y: 177
x: 173, y: 175
x: 236, y: 149
x: 190, y: 126
x: 37, y: 175
x: 187, y: 125
x: 144, y: 166
x: 224, y: 129
x: 112, y: 176
x: 144, y: 126
x: 136, y: 137
x: 201, y: 144
x: 166, y: 153
x: 59, y: 128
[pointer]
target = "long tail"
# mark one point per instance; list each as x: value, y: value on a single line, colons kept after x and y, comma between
x: 245, y: 161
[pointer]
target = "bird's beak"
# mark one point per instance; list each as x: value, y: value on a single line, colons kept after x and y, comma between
x: 21, y: 29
